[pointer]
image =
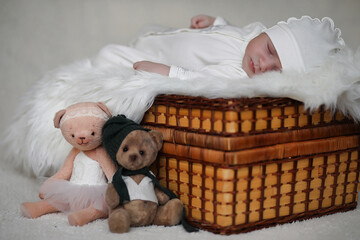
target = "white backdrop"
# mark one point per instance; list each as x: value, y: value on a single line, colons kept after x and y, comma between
x: 39, y: 35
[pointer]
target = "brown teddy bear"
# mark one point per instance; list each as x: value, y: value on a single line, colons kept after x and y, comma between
x: 79, y: 187
x: 135, y: 196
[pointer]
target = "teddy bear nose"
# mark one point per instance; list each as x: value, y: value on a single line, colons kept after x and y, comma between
x: 133, y: 157
x: 81, y: 140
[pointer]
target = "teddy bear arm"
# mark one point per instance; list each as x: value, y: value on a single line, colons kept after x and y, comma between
x: 106, y: 164
x: 112, y: 198
x: 161, y: 196
x: 66, y: 169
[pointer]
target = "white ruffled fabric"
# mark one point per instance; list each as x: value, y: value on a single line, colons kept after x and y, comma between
x: 69, y: 197
x: 36, y: 147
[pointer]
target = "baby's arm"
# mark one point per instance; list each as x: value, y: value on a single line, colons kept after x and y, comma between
x: 152, y: 67
x: 225, y: 69
x: 228, y: 69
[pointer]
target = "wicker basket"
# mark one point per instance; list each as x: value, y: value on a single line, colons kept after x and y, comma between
x: 244, y: 164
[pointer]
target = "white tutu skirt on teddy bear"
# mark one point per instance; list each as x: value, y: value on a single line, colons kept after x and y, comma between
x: 69, y: 197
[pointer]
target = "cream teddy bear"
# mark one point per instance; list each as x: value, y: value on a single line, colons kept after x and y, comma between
x: 79, y: 187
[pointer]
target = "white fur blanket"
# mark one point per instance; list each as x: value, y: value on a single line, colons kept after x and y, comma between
x: 34, y: 145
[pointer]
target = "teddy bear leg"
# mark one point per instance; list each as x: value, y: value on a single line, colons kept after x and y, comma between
x: 36, y: 209
x: 84, y: 216
x: 170, y: 213
x: 119, y: 221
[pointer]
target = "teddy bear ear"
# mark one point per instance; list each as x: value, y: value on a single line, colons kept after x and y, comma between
x: 103, y: 107
x: 158, y: 138
x: 58, y: 117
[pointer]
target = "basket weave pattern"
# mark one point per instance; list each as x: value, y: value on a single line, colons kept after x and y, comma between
x: 231, y: 199
x: 244, y: 164
x: 229, y: 117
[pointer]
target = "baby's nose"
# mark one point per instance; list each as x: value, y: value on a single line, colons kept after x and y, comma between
x: 267, y: 65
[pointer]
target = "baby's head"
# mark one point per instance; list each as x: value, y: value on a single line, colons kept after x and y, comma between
x: 296, y: 45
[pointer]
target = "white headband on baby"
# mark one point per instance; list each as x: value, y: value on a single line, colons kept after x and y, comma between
x: 305, y: 43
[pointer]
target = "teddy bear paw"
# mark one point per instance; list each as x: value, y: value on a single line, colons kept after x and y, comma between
x: 119, y: 221
x: 84, y: 216
x: 36, y: 209
x: 169, y: 214
x: 25, y: 210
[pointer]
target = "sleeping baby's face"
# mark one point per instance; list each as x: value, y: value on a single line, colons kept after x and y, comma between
x: 260, y: 56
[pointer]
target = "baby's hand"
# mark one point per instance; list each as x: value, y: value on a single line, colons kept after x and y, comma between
x: 202, y: 21
x: 152, y: 67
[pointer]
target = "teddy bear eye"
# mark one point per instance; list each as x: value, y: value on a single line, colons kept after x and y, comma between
x: 93, y: 133
x: 141, y: 152
x: 125, y: 149
x: 73, y: 135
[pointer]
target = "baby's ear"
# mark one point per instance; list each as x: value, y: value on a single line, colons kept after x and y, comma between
x: 158, y: 138
x: 58, y: 117
x: 103, y: 107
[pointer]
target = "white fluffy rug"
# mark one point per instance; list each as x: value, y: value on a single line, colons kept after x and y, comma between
x: 34, y: 145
